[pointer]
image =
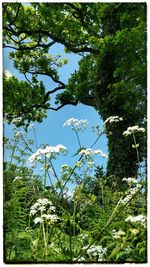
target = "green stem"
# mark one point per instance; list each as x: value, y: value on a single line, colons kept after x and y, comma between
x: 36, y: 143
x: 108, y: 223
x: 45, y: 175
x: 39, y: 231
x: 44, y: 236
x: 77, y: 137
x: 13, y: 151
x: 137, y: 152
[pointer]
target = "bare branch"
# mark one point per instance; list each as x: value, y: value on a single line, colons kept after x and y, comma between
x: 65, y: 104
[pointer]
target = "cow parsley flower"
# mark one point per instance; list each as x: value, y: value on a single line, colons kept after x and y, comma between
x: 76, y: 124
x: 48, y: 151
x: 97, y: 252
x: 50, y: 217
x: 18, y: 134
x: 130, y: 193
x: 86, y: 152
x: 99, y: 152
x: 17, y: 120
x: 91, y: 152
x: 113, y: 119
x: 130, y: 180
x: 118, y: 234
x: 133, y: 129
x: 141, y: 219
x: 38, y: 220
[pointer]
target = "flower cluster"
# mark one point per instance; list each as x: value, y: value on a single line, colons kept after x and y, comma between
x: 141, y: 219
x: 133, y: 129
x: 76, y: 124
x: 44, y: 205
x: 96, y: 252
x: 17, y: 178
x: 130, y: 193
x: 48, y: 151
x: 130, y: 180
x: 18, y: 134
x: 17, y: 120
x: 118, y: 234
x: 113, y: 119
x: 91, y: 152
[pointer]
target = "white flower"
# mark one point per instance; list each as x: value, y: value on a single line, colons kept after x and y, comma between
x: 80, y: 259
x: 48, y: 151
x: 38, y: 220
x: 126, y: 199
x: 76, y: 124
x: 99, y: 152
x: 78, y: 164
x: 64, y: 166
x: 96, y: 251
x: 91, y: 152
x: 50, y: 217
x: 17, y: 178
x: 90, y: 164
x: 41, y: 205
x: 141, y: 219
x: 133, y: 129
x: 113, y: 119
x: 33, y: 211
x: 42, y: 208
x: 130, y: 180
x: 118, y: 234
x: 18, y: 134
x: 86, y: 152
x: 17, y: 120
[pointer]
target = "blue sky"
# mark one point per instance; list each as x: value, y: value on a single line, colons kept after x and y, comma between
x: 51, y: 130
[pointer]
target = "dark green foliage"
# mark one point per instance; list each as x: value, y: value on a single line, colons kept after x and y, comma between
x: 111, y: 40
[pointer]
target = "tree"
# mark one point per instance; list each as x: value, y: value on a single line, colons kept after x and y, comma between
x: 111, y: 39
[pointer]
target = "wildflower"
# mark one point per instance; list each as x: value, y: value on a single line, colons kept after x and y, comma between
x: 41, y: 205
x: 17, y: 178
x: 98, y: 151
x: 76, y: 124
x: 86, y: 152
x: 18, y: 134
x: 17, y: 120
x: 50, y: 217
x: 64, y: 166
x: 133, y: 129
x: 79, y: 163
x: 96, y: 251
x: 38, y: 220
x: 80, y: 259
x: 113, y: 119
x: 48, y: 151
x: 131, y: 191
x: 118, y: 234
x: 91, y: 152
x: 141, y: 219
x: 90, y: 164
x: 126, y: 199
x: 130, y: 180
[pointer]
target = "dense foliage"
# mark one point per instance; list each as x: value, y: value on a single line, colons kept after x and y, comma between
x: 46, y: 222
x: 103, y: 217
x: 111, y: 40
